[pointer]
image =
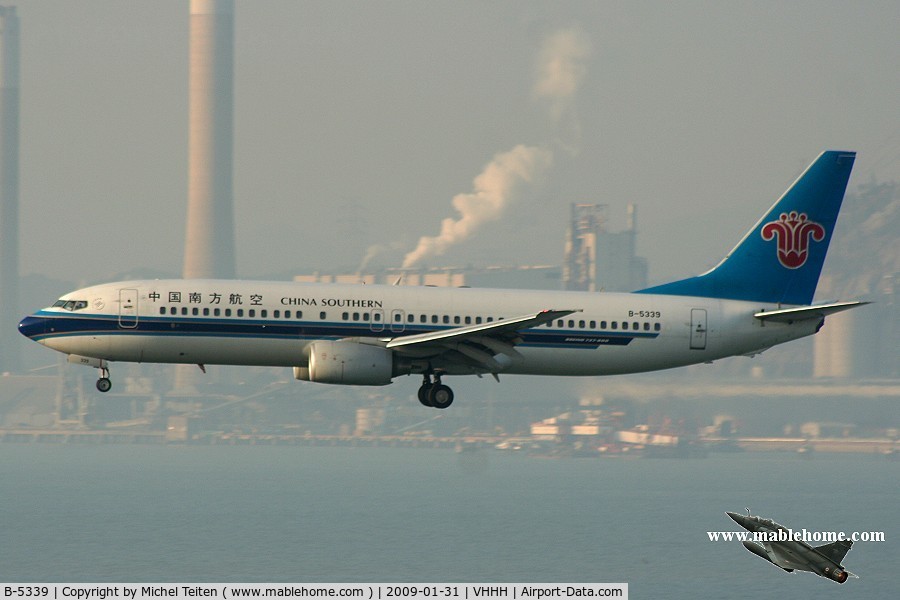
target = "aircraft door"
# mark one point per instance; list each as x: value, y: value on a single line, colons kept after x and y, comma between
x: 128, y: 308
x: 698, y: 329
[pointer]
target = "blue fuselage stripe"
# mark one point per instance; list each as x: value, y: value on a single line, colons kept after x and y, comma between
x: 52, y: 325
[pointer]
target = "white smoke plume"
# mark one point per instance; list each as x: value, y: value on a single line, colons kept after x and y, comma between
x: 376, y: 250
x: 560, y: 69
x: 494, y: 189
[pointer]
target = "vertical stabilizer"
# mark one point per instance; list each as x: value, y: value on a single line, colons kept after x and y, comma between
x: 781, y: 257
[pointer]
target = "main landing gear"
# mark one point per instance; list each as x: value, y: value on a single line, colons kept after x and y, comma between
x: 433, y: 393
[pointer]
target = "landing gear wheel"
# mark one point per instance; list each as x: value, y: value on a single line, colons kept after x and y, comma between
x: 104, y: 384
x: 440, y: 396
x: 424, y: 393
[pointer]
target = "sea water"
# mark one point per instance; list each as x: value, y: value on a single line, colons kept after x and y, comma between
x: 105, y: 513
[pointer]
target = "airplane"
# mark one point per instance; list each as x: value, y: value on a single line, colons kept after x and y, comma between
x: 794, y: 554
x: 758, y: 296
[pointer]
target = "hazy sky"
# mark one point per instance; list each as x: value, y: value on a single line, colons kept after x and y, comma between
x: 367, y: 123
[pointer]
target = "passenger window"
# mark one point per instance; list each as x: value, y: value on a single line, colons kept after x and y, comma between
x: 322, y: 315
x: 227, y: 312
x: 446, y: 320
x: 240, y: 312
x: 173, y: 310
x: 468, y: 320
x: 602, y: 324
x: 434, y: 318
x: 478, y: 320
x: 559, y: 323
x: 397, y: 318
x: 571, y: 324
x: 614, y: 325
x: 656, y: 327
x: 205, y: 312
x: 264, y: 313
x: 195, y: 311
x: 162, y: 310
x: 376, y: 317
x: 456, y: 320
x: 345, y: 316
x: 646, y: 326
x: 410, y: 318
x: 581, y: 324
x: 184, y: 310
x: 277, y: 314
x: 365, y: 316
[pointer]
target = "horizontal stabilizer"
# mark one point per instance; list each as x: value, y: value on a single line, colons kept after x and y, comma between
x: 790, y: 315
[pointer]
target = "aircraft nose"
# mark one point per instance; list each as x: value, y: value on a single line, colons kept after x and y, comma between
x: 739, y: 519
x: 32, y: 326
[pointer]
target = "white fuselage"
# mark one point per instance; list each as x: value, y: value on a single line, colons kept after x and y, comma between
x: 233, y: 322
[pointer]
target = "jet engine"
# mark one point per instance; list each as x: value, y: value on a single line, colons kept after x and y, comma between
x: 347, y: 363
x: 836, y: 574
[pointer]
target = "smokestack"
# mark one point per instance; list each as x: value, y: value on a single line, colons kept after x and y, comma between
x: 9, y: 187
x: 209, y: 245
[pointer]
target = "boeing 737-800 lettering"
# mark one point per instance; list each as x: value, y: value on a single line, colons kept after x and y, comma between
x: 760, y: 295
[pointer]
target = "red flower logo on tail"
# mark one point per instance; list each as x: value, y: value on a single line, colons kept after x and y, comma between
x: 793, y: 232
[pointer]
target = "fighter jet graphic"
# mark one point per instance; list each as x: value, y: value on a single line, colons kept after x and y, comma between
x: 783, y: 548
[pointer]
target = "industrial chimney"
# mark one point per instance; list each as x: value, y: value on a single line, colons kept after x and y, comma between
x: 209, y: 244
x: 209, y: 240
x: 9, y: 188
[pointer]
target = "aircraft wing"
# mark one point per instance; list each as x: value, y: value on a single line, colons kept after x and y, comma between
x: 790, y: 315
x: 487, y: 346
x: 784, y: 559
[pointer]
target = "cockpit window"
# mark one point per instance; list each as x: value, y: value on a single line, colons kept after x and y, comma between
x: 71, y: 305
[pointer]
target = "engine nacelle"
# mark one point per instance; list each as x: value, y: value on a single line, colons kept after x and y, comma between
x: 347, y: 363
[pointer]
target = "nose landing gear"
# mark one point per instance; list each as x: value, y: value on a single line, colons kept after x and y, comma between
x: 104, y: 384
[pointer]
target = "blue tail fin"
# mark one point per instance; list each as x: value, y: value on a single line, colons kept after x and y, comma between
x: 780, y: 259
